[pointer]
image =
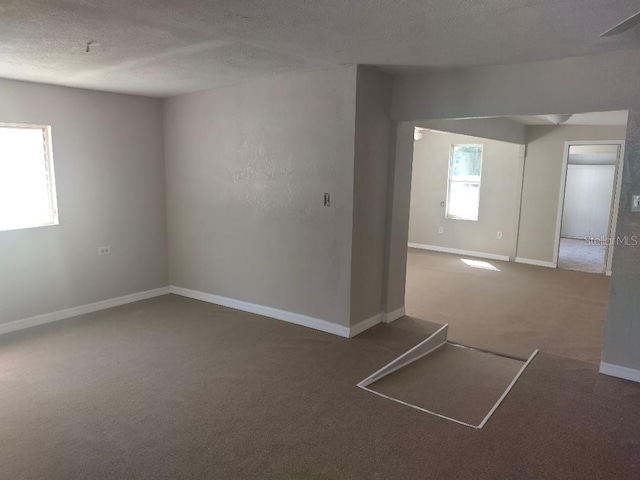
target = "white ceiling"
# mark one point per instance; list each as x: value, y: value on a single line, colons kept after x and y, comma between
x: 167, y: 47
x: 616, y: 118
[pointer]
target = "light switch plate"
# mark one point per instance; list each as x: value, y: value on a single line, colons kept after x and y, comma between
x: 635, y: 203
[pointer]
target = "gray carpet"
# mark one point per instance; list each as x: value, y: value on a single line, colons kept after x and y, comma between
x: 172, y: 388
x: 512, y: 311
x: 581, y: 256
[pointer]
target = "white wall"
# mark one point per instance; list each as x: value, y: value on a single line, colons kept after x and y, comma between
x: 587, y: 201
x: 109, y: 168
x: 499, y: 194
x: 247, y: 169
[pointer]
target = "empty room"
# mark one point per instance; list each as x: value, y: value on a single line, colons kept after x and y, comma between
x: 341, y: 240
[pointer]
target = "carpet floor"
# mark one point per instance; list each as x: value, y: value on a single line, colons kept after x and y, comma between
x: 173, y: 388
x: 514, y: 310
x: 581, y: 256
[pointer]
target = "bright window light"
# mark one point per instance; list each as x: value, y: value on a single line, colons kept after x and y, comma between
x: 479, y: 264
x: 463, y: 193
x: 27, y: 185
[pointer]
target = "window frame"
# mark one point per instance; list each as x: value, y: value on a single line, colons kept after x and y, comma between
x: 49, y: 172
x: 450, y: 181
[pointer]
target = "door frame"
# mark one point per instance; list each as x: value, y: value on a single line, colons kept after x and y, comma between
x: 615, y: 198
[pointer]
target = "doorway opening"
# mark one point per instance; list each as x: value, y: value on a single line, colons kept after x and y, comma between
x: 485, y: 226
x: 586, y: 210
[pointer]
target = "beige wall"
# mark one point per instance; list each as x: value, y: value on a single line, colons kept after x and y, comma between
x: 109, y: 168
x: 373, y: 101
x: 247, y: 169
x: 541, y: 185
x: 499, y: 194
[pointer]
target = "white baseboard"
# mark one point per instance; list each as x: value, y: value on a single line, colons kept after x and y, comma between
x: 382, y: 317
x: 538, y: 263
x: 81, y: 310
x: 389, y: 317
x: 365, y: 324
x: 455, y: 251
x: 270, y: 312
x: 620, y: 371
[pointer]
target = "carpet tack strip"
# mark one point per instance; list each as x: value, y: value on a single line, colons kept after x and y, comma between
x: 473, y: 376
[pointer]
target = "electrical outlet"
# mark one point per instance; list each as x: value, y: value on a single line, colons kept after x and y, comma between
x: 104, y: 251
x: 440, y: 229
x: 500, y: 235
x: 635, y: 203
x: 327, y: 199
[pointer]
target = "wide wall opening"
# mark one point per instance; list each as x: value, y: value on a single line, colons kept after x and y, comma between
x: 497, y: 208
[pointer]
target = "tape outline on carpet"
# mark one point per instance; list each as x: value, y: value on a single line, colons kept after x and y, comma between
x: 401, y: 362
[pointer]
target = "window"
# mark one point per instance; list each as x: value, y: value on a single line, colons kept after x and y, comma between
x: 27, y: 186
x: 463, y: 194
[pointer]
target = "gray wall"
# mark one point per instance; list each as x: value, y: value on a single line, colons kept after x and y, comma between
x: 373, y: 102
x: 247, y: 169
x: 109, y: 168
x: 596, y: 83
x: 541, y: 186
x: 622, y: 333
x: 398, y: 200
x: 499, y: 194
x: 494, y: 128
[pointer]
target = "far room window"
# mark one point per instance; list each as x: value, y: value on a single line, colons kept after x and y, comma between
x: 27, y: 186
x: 463, y: 194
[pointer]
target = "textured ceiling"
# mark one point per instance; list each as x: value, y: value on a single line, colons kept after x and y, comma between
x: 162, y: 48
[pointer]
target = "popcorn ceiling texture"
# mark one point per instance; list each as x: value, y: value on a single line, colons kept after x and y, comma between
x: 163, y: 48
